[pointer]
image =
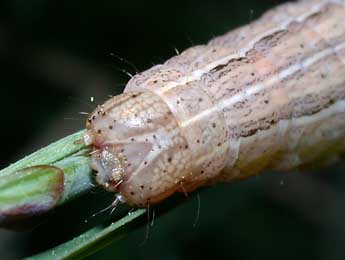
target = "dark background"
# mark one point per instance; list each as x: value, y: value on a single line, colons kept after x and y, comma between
x: 55, y: 55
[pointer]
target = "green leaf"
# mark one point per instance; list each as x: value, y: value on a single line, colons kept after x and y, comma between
x: 45, y: 179
x: 90, y: 241
x: 50, y: 154
x: 30, y: 190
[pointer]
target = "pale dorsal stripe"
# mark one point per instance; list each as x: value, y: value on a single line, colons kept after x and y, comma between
x: 251, y: 90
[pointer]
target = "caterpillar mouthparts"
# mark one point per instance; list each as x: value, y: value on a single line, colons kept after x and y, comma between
x: 138, y: 147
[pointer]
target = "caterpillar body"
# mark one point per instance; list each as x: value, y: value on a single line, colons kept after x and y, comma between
x: 269, y: 95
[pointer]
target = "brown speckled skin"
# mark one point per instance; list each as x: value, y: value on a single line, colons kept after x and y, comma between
x: 269, y: 95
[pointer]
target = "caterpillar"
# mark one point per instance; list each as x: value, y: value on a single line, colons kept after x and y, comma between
x: 268, y: 95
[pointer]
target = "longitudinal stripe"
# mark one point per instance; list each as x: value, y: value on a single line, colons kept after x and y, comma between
x: 251, y: 90
x: 336, y: 108
x: 241, y: 53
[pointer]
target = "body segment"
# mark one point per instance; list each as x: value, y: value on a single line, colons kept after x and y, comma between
x: 269, y: 95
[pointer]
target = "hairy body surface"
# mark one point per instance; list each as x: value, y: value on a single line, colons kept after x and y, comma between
x: 268, y: 95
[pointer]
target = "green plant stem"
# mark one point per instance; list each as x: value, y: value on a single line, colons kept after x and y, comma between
x: 90, y: 241
x: 45, y: 179
x: 50, y: 154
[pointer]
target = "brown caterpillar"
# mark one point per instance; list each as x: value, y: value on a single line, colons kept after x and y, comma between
x: 269, y: 95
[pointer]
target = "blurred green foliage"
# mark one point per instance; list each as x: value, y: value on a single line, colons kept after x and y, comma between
x: 55, y: 55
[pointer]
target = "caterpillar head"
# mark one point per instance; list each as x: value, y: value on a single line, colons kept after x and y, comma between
x: 139, y: 151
